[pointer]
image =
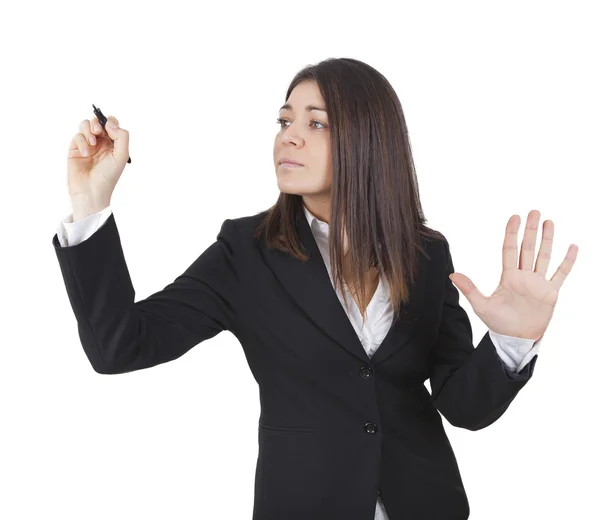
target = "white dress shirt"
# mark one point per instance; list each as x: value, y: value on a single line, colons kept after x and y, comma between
x: 515, y: 353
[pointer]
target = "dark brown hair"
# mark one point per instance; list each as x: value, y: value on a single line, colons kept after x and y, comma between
x: 374, y: 185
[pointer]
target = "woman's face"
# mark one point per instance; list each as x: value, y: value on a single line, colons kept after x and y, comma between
x: 304, y: 137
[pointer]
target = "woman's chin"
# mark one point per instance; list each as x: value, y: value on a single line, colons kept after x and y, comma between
x: 287, y: 184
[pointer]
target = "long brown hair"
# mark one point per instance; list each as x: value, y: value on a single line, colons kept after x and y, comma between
x: 374, y: 185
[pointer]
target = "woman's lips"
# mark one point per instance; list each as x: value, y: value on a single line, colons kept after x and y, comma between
x: 291, y: 165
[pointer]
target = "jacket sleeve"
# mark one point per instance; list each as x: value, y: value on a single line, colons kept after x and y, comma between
x: 121, y: 335
x: 470, y: 386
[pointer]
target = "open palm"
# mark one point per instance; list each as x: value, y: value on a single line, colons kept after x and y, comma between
x: 523, y: 303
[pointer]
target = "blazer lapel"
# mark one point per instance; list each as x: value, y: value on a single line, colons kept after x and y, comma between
x: 309, y: 284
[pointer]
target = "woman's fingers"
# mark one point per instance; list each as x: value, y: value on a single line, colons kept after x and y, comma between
x: 113, y: 119
x: 95, y: 126
x: 86, y: 139
x: 79, y: 146
x: 85, y: 129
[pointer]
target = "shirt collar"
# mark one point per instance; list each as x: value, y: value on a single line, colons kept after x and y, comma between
x: 318, y: 225
x: 314, y: 222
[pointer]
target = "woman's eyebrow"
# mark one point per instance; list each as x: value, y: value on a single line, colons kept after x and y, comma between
x: 308, y: 108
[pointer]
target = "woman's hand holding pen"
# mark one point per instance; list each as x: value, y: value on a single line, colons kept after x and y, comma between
x: 524, y: 301
x: 96, y: 159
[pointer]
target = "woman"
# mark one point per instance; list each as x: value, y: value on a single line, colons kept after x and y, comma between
x: 342, y: 299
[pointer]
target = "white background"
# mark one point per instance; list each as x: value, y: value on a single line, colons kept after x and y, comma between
x: 501, y: 102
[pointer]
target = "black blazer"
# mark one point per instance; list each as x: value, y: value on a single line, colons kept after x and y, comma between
x: 335, y: 425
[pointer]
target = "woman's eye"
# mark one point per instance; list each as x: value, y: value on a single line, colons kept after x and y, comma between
x: 280, y: 120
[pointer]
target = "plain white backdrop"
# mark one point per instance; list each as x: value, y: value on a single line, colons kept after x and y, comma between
x: 501, y: 102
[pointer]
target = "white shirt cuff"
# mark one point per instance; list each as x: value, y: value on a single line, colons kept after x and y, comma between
x: 514, y: 352
x: 72, y: 233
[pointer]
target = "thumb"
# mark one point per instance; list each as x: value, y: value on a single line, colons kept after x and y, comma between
x: 120, y: 138
x: 470, y: 291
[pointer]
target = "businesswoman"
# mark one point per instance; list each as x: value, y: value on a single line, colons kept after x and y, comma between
x: 343, y: 300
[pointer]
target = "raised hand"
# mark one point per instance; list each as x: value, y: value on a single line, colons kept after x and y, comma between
x: 524, y: 301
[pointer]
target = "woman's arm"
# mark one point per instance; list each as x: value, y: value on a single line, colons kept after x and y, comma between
x: 470, y: 386
x: 120, y: 335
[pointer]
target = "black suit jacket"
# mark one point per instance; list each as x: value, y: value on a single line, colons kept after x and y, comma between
x: 335, y: 425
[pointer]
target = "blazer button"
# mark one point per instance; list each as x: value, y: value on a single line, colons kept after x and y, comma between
x: 366, y: 372
x: 370, y: 427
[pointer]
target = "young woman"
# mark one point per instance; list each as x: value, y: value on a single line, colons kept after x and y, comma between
x: 342, y: 299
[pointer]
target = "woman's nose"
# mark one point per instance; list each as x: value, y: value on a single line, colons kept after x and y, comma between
x: 292, y: 138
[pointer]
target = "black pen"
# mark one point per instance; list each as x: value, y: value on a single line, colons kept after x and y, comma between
x: 102, y: 120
